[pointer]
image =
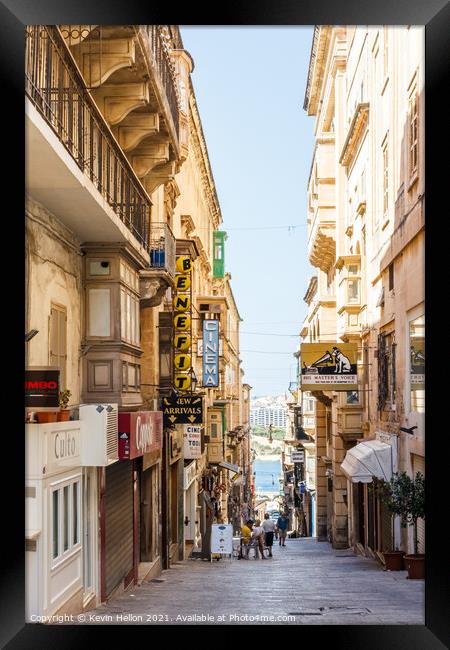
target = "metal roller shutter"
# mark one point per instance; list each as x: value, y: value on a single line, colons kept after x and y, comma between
x: 118, y: 523
x: 419, y: 466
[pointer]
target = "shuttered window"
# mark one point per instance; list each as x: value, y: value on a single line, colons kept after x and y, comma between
x: 58, y: 341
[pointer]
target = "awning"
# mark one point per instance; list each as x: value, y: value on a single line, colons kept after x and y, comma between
x: 366, y: 460
x: 232, y: 468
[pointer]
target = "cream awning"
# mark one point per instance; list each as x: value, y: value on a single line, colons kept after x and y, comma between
x: 366, y: 460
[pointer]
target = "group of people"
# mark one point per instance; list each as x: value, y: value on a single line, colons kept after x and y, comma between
x: 260, y: 536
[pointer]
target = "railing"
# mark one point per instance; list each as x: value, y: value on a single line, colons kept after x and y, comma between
x: 162, y: 248
x: 57, y: 90
x: 163, y: 66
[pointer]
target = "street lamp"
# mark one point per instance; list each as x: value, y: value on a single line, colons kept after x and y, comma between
x: 194, y: 381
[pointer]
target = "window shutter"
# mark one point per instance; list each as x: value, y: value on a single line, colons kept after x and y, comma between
x: 381, y: 372
x: 393, y: 388
x: 58, y: 342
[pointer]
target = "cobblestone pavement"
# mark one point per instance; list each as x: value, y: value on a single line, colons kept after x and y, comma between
x: 307, y: 580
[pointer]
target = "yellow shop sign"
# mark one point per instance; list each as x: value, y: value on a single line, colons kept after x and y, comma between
x: 182, y: 322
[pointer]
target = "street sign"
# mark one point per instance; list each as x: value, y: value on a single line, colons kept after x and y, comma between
x: 298, y: 456
x: 182, y: 410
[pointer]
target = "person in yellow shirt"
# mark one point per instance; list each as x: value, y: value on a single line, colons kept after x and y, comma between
x: 246, y: 532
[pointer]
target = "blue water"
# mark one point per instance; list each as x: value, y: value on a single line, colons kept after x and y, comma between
x: 267, y: 474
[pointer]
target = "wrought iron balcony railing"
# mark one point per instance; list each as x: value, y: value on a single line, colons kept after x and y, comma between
x: 57, y: 90
x: 163, y: 67
x: 162, y: 248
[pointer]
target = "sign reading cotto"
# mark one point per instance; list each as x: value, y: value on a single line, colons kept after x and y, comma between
x: 210, y: 353
x: 329, y: 366
x: 182, y: 410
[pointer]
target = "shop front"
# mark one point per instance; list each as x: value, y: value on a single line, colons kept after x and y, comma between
x: 370, y: 523
x: 140, y: 442
x: 53, y: 519
x: 176, y: 494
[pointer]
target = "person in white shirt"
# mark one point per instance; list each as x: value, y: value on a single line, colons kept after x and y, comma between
x: 258, y: 538
x: 269, y: 528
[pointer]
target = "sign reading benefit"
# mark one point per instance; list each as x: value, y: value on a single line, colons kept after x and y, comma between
x: 329, y: 366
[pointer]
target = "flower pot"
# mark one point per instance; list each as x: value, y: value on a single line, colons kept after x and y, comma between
x: 46, y: 416
x: 63, y: 416
x: 415, y: 565
x: 393, y: 560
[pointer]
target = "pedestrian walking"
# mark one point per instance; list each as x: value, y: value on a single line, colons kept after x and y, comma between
x: 282, y: 524
x: 268, y: 526
x: 258, y: 538
x: 246, y: 532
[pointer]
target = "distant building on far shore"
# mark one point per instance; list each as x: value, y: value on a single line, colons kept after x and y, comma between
x: 266, y: 411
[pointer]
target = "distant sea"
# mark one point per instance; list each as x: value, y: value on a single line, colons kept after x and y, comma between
x: 267, y: 472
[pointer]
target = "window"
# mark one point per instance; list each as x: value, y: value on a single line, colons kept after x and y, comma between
x: 417, y: 364
x: 385, y: 51
x: 386, y: 370
x: 129, y: 316
x: 165, y: 350
x: 353, y: 291
x: 352, y: 397
x: 65, y: 505
x: 413, y: 135
x: 385, y: 178
x: 58, y: 341
x: 391, y: 276
x: 99, y: 312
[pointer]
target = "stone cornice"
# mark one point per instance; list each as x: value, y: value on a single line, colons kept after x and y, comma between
x: 311, y: 290
x: 355, y: 132
x: 201, y: 153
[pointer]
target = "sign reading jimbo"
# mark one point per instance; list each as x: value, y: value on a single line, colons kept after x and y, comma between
x: 210, y: 353
x: 329, y: 366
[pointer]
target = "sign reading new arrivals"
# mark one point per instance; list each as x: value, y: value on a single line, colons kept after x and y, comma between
x: 182, y: 410
x: 210, y: 370
x: 329, y: 366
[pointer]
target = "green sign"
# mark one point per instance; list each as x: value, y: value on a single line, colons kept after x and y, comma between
x: 219, y: 238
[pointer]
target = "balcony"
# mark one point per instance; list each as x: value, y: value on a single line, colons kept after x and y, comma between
x: 139, y: 77
x: 349, y: 298
x: 94, y: 189
x: 155, y: 280
x: 322, y: 239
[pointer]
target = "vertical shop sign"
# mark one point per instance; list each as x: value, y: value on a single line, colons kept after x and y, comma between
x: 210, y: 353
x: 182, y: 320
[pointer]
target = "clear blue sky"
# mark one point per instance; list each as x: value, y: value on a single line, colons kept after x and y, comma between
x: 250, y: 85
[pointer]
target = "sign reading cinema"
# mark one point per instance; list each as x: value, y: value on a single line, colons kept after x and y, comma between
x: 210, y: 353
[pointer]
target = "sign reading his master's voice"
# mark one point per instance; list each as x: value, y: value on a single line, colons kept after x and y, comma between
x: 331, y: 366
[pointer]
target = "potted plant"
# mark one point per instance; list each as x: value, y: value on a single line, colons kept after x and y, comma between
x: 43, y: 417
x: 393, y: 559
x: 64, y: 413
x: 405, y: 497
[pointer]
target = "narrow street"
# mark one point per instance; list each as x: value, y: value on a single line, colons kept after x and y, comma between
x: 307, y: 580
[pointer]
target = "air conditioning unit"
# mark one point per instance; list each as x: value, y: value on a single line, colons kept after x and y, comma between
x: 99, y: 434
